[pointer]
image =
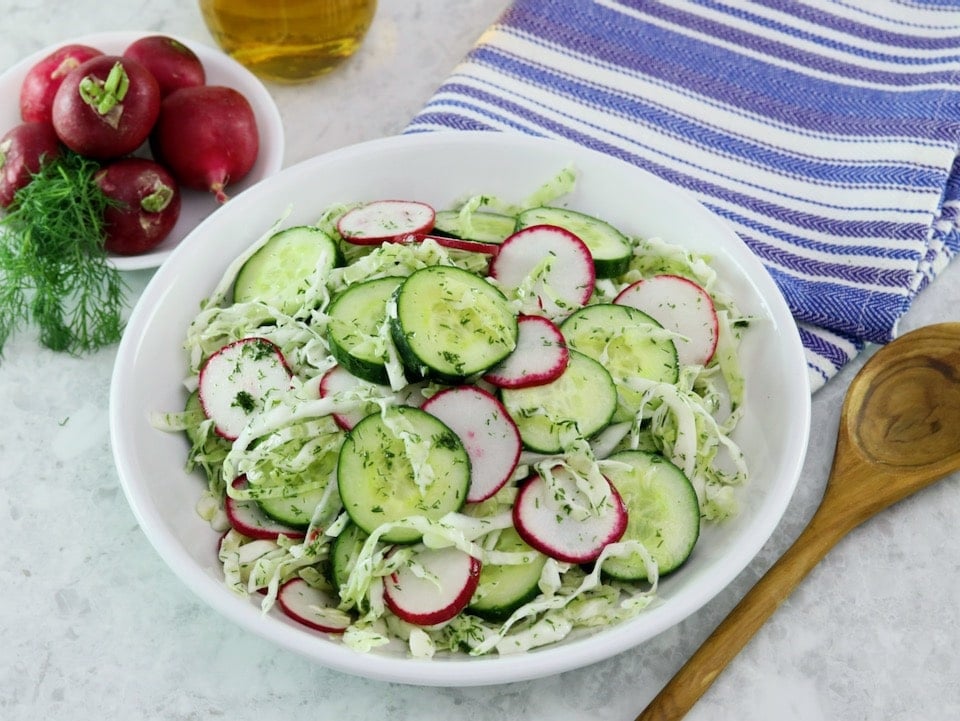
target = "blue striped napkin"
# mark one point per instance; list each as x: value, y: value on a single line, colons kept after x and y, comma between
x: 825, y: 132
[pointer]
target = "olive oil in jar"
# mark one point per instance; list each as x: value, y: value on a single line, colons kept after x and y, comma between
x: 289, y: 40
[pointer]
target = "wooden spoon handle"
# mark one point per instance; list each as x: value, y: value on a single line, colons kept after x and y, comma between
x: 696, y: 676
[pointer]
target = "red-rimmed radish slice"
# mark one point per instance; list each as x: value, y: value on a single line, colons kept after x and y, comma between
x: 451, y: 577
x: 548, y: 523
x: 235, y: 380
x: 337, y: 380
x: 472, y: 246
x: 487, y: 431
x: 312, y: 607
x: 247, y: 518
x: 680, y: 305
x: 561, y: 262
x: 385, y: 220
x: 540, y: 357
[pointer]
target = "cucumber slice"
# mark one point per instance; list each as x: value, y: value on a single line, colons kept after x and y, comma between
x: 662, y: 510
x: 629, y: 343
x: 578, y: 404
x: 291, y: 261
x: 482, y: 226
x: 356, y: 316
x: 380, y: 481
x: 344, y: 553
x: 611, y: 249
x: 294, y: 511
x: 504, y: 588
x: 449, y: 324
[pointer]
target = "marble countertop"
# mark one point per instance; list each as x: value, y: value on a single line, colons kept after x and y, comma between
x: 93, y: 625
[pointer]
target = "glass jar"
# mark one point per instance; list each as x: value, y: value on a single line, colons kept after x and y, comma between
x: 289, y: 40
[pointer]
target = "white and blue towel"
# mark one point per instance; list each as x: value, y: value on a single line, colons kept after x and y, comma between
x: 826, y: 132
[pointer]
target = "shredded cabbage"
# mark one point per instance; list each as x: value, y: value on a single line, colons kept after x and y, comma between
x: 291, y: 447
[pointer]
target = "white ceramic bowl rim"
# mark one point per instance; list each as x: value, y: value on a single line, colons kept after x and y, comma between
x: 149, y: 367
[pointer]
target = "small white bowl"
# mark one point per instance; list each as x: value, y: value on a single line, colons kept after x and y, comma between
x: 220, y: 70
x: 442, y: 168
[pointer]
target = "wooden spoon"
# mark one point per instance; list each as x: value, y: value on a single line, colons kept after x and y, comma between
x: 899, y: 432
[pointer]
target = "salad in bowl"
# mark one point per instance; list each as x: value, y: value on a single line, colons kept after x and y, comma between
x: 482, y: 429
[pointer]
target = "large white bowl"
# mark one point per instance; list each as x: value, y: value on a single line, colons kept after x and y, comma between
x: 442, y: 168
x: 220, y: 69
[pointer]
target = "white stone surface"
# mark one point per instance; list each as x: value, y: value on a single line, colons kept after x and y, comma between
x: 94, y: 626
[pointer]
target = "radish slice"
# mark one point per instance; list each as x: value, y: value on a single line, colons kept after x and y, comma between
x: 473, y: 246
x: 385, y: 220
x: 337, y: 380
x: 487, y: 432
x: 435, y: 589
x: 560, y: 263
x: 547, y: 522
x: 236, y: 379
x: 312, y: 607
x: 540, y: 357
x: 680, y: 305
x: 247, y: 518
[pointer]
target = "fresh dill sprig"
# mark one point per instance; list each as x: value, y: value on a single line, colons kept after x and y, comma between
x: 54, y: 270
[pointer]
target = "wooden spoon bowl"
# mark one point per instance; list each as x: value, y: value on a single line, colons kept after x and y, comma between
x: 899, y: 432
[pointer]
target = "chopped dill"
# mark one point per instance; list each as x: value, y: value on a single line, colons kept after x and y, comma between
x: 54, y: 270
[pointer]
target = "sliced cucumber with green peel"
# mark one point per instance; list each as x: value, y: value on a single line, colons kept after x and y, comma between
x: 294, y: 511
x: 611, y: 249
x: 450, y: 324
x: 356, y: 316
x: 344, y: 553
x: 578, y: 404
x: 401, y: 463
x: 481, y: 225
x: 629, y: 343
x: 289, y: 263
x: 504, y: 588
x: 662, y: 512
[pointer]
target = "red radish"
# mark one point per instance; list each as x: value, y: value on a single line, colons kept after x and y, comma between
x: 547, y: 521
x: 540, y: 357
x: 44, y: 78
x: 680, y: 305
x: 236, y: 380
x: 106, y: 107
x: 23, y: 151
x: 438, y: 595
x: 385, y: 220
x: 487, y: 431
x: 312, y: 607
x: 247, y: 518
x: 337, y: 380
x: 472, y: 246
x: 172, y: 63
x: 556, y: 260
x: 207, y: 136
x: 147, y: 204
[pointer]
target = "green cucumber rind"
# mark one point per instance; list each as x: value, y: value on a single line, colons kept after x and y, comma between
x: 663, y: 513
x: 611, y: 249
x: 546, y: 435
x: 586, y: 329
x: 351, y: 311
x: 294, y: 511
x: 344, y: 551
x: 266, y: 275
x: 486, y: 227
x: 502, y: 589
x: 372, y: 497
x: 422, y: 310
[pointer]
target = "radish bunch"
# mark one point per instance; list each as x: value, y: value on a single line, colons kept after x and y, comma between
x: 147, y: 117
